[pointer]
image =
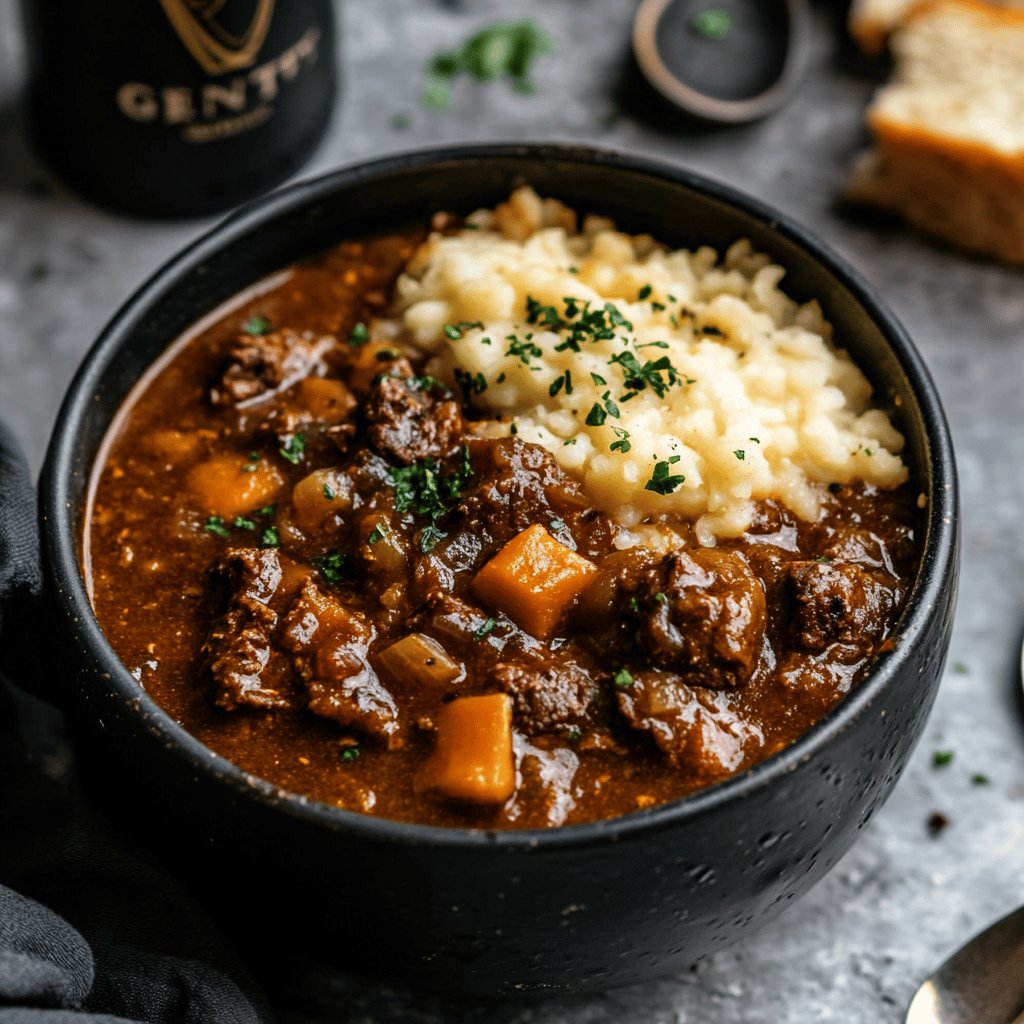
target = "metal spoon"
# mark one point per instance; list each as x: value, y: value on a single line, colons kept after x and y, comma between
x: 982, y: 983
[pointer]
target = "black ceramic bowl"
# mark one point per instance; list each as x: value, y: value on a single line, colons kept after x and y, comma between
x: 571, y: 909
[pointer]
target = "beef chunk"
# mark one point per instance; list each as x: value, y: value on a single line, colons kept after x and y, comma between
x: 516, y: 484
x: 331, y: 644
x: 408, y: 423
x: 705, y: 617
x: 548, y: 696
x: 239, y: 646
x: 266, y: 364
x: 840, y: 603
x: 696, y: 728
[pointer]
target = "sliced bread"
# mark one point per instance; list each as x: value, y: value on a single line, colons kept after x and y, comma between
x: 949, y: 128
x: 872, y: 21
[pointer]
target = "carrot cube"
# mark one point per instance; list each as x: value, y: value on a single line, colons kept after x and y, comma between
x: 472, y: 758
x: 533, y: 579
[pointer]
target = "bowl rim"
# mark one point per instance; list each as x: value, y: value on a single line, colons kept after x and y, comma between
x: 59, y: 524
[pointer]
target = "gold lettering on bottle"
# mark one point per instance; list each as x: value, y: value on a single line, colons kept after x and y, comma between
x: 246, y: 97
x: 138, y: 102
x: 265, y: 78
x: 178, y: 108
x: 229, y: 97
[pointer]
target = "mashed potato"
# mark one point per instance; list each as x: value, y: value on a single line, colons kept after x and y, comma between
x: 669, y: 383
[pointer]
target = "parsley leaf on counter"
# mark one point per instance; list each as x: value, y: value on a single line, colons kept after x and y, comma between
x: 498, y: 51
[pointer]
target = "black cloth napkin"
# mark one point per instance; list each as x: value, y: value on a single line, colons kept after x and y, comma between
x: 92, y: 930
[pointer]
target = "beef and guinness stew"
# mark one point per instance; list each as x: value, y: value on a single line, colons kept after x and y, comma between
x: 510, y: 523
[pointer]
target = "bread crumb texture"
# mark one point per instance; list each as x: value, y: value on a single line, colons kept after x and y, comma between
x: 872, y: 21
x: 667, y: 382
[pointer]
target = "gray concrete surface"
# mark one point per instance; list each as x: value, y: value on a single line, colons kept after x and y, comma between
x: 855, y: 948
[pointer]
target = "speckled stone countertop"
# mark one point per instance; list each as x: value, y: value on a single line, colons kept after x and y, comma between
x: 855, y: 948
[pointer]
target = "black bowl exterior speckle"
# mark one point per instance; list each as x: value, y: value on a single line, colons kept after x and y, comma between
x: 567, y: 910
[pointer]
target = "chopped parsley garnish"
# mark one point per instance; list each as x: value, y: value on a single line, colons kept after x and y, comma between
x: 662, y: 481
x: 556, y: 525
x: 270, y: 538
x: 295, y: 449
x: 241, y: 523
x: 256, y: 326
x: 740, y: 454
x: 644, y: 293
x: 940, y: 758
x: 513, y: 430
x: 428, y: 383
x: 523, y: 349
x: 959, y: 668
x: 359, y: 335
x: 470, y: 383
x: 574, y: 735
x: 455, y: 331
x: 546, y: 316
x: 565, y: 380
x: 596, y: 416
x: 429, y: 536
x: 756, y: 440
x: 623, y: 443
x: 423, y: 490
x: 713, y: 331
x: 378, y: 533
x: 486, y: 628
x: 266, y: 512
x: 639, y: 375
x: 634, y: 605
x: 350, y: 754
x: 329, y: 565
x: 623, y: 679
x: 329, y: 492
x: 661, y: 597
x: 978, y: 779
x: 712, y: 23
x: 498, y: 51
x: 216, y: 526
x: 598, y: 380
x: 574, y: 270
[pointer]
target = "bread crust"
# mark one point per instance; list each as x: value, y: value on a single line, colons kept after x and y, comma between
x: 966, y: 194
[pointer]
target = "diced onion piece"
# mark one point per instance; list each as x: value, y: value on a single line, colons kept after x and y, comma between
x: 230, y: 485
x: 320, y: 496
x: 533, y: 579
x: 420, y: 658
x: 472, y: 760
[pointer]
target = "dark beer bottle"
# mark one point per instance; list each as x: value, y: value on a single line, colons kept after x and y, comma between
x: 178, y: 107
